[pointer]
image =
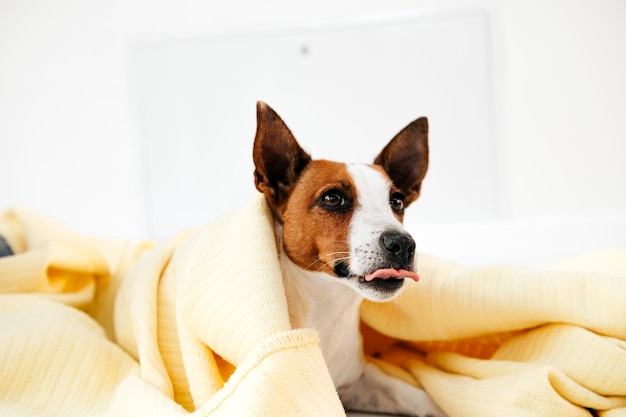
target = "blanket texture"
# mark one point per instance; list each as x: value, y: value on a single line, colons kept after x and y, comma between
x: 199, y: 325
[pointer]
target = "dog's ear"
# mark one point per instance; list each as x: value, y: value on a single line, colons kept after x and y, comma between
x: 278, y: 158
x: 405, y: 158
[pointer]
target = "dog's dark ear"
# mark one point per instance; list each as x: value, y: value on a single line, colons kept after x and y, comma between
x: 405, y: 158
x: 278, y: 158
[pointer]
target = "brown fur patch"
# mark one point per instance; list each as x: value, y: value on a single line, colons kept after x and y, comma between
x: 314, y: 237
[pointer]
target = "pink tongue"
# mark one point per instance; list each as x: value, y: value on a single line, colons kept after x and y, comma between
x: 389, y: 273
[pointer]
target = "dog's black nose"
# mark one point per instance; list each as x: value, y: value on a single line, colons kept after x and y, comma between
x: 400, y: 245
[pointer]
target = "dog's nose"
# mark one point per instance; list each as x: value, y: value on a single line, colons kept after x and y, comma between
x: 400, y: 245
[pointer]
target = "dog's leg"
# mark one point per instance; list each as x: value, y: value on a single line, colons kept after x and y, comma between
x: 377, y: 392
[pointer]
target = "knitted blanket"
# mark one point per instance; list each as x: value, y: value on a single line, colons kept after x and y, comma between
x: 199, y: 325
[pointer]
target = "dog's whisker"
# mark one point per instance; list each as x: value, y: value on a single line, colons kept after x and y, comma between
x: 333, y: 254
x: 321, y: 258
x: 343, y: 258
x: 329, y: 263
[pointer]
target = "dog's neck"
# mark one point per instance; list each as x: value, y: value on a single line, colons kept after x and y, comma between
x: 318, y: 301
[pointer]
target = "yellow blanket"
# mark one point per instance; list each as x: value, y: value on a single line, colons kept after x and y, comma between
x: 199, y: 325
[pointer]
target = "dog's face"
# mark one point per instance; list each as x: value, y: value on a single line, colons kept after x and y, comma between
x: 344, y: 220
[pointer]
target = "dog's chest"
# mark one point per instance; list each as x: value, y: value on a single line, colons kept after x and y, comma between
x: 317, y: 301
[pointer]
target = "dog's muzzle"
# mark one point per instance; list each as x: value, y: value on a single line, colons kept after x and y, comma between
x: 397, y: 252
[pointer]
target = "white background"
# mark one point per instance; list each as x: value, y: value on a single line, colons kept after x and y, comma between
x: 344, y: 90
x: 75, y: 141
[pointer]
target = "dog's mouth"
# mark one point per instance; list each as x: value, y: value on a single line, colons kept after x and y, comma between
x: 342, y: 270
x: 387, y: 281
x: 382, y: 280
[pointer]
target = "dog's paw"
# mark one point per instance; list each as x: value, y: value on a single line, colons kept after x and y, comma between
x: 377, y: 392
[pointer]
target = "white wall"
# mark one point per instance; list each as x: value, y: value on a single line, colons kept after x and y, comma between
x: 70, y: 142
x: 357, y: 85
x: 564, y: 97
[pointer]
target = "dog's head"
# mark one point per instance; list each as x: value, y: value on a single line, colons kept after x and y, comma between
x: 343, y: 219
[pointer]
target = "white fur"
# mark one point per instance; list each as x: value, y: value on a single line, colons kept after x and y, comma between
x: 370, y: 219
x: 316, y: 300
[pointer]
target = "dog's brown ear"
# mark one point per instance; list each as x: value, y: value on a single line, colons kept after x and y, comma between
x: 405, y: 158
x: 278, y: 158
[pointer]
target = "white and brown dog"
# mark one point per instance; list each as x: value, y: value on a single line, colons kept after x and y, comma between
x: 339, y: 227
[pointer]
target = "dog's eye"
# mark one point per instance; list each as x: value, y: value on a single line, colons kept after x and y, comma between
x: 397, y: 202
x: 333, y: 200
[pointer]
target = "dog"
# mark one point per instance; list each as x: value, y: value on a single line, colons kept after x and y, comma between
x: 341, y: 240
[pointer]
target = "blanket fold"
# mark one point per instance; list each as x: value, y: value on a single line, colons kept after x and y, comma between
x: 517, y: 341
x: 199, y: 325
